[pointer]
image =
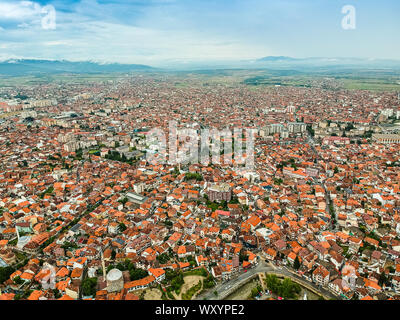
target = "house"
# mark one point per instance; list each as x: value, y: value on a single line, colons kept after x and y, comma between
x: 76, y: 274
x: 270, y: 254
x: 291, y: 257
x: 158, y: 274
x: 140, y: 284
x: 201, y: 261
x: 182, y: 253
x: 321, y: 275
x: 336, y: 286
x: 72, y: 291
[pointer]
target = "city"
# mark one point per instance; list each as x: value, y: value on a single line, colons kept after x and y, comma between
x: 84, y: 212
x: 272, y: 178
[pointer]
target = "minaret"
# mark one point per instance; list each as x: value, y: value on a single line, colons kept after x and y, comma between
x: 16, y: 229
x: 103, y: 266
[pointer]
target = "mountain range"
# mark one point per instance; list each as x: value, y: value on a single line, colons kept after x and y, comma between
x: 23, y: 67
x: 19, y: 67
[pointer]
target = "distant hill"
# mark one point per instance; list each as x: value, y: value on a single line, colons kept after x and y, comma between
x: 34, y: 67
x: 276, y: 59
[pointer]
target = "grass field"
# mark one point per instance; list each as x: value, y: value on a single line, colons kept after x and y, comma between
x: 375, y: 80
x: 152, y: 294
x: 190, y: 281
x: 61, y: 78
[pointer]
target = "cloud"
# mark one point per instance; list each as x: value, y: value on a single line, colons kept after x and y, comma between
x: 87, y: 30
x: 154, y: 31
x: 19, y: 11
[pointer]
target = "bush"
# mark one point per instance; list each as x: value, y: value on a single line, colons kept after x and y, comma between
x: 197, y: 272
x: 189, y: 294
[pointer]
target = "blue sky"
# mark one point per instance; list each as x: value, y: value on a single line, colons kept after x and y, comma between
x: 155, y: 32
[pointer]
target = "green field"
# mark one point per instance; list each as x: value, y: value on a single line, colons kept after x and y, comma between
x: 374, y: 80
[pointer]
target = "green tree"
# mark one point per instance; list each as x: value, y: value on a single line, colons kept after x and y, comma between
x: 122, y: 227
x: 5, y: 273
x: 296, y: 264
x: 89, y: 287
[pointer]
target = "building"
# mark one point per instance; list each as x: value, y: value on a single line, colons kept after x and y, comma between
x: 386, y: 138
x: 158, y: 274
x: 335, y: 141
x: 136, y: 198
x: 312, y: 172
x: 8, y: 256
x: 296, y: 127
x: 291, y: 109
x: 115, y: 281
x: 139, y: 284
x: 271, y: 129
x: 321, y: 276
x: 219, y: 192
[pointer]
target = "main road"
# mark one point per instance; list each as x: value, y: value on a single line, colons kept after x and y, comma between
x: 226, y: 288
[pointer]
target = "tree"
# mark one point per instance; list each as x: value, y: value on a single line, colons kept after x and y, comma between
x: 56, y: 293
x: 383, y: 279
x: 296, y: 264
x: 191, y: 175
x: 286, y: 288
x: 5, y: 273
x: 163, y: 258
x: 122, y: 227
x: 243, y: 256
x: 137, y: 274
x: 18, y: 280
x: 336, y: 170
x: 208, y: 282
x: 89, y: 287
x: 124, y: 200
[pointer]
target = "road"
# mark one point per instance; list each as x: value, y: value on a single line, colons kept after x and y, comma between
x: 223, y: 289
x: 226, y: 288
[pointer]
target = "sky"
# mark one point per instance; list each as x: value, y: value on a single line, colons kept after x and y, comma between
x: 156, y: 32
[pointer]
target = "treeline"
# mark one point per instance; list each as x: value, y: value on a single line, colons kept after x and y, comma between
x: 116, y: 156
x: 193, y: 175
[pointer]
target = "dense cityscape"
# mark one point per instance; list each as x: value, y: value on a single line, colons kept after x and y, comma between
x: 85, y: 216
x: 199, y: 158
